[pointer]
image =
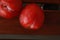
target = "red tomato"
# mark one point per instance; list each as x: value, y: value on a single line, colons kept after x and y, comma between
x: 10, y: 8
x: 32, y: 17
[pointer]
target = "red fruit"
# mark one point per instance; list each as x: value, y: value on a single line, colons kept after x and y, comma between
x: 32, y: 17
x: 10, y: 8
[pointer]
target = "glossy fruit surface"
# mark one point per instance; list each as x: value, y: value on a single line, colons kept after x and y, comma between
x: 10, y: 8
x: 32, y: 17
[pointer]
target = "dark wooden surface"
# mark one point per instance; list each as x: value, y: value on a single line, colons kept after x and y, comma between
x: 44, y: 1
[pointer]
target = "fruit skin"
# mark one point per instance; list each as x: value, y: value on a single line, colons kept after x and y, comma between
x: 32, y: 17
x: 10, y: 8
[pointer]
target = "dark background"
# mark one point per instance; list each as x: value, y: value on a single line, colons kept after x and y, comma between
x: 11, y: 27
